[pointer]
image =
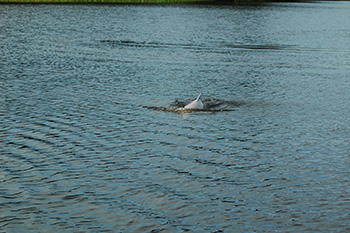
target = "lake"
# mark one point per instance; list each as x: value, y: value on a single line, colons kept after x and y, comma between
x: 83, y: 150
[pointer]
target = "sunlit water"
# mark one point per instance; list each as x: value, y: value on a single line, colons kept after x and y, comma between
x: 85, y: 149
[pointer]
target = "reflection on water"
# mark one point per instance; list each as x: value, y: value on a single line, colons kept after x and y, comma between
x: 80, y: 152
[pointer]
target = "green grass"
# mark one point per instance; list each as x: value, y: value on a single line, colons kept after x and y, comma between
x: 138, y: 1
x: 145, y: 1
x: 104, y: 1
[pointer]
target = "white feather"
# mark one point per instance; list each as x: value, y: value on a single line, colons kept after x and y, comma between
x: 196, y: 104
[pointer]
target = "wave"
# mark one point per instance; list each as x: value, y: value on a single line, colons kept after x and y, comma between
x: 154, y: 44
x: 212, y: 45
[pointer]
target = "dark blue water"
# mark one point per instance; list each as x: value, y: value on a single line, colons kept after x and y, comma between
x: 80, y: 153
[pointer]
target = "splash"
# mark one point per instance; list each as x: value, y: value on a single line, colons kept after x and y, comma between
x: 210, y: 105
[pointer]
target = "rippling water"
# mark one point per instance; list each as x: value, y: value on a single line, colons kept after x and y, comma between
x: 80, y: 153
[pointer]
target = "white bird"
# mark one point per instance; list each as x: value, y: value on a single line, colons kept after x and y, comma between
x: 196, y: 104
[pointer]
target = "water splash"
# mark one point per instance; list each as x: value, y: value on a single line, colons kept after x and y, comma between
x: 210, y: 105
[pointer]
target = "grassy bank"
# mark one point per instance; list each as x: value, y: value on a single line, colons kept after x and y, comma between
x: 126, y: 1
x: 102, y: 1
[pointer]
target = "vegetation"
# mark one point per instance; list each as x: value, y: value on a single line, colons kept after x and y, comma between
x: 128, y: 1
x: 99, y: 1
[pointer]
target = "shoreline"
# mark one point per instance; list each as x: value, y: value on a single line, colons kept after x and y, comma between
x: 121, y: 2
x: 106, y: 1
x: 129, y: 1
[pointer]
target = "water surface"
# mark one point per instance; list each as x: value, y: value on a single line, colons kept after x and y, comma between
x: 80, y: 153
